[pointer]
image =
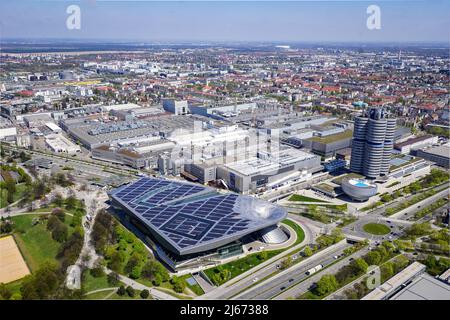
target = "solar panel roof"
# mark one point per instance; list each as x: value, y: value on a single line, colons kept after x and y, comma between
x: 194, y: 218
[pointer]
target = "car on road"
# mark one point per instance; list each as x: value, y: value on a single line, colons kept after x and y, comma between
x: 290, y: 280
x: 351, y: 259
x: 278, y: 266
x: 335, y: 257
x: 388, y: 221
x: 294, y: 257
x: 255, y: 279
x: 282, y: 288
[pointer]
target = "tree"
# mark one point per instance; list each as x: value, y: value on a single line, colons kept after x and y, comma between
x: 121, y: 291
x: 326, y: 284
x: 5, y: 292
x: 262, y: 255
x: 307, y: 252
x: 387, y: 271
x: 136, y: 272
x: 97, y: 272
x: 59, y: 213
x: 71, y: 202
x: 60, y: 232
x: 113, y: 279
x: 116, y: 261
x: 373, y: 257
x: 130, y: 291
x: 286, y: 263
x: 360, y: 265
x: 42, y: 284
x: 337, y: 235
x: 144, y: 294
x: 11, y: 190
x: 178, y: 284
x: 58, y: 199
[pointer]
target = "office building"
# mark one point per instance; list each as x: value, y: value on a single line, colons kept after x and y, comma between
x: 373, y: 140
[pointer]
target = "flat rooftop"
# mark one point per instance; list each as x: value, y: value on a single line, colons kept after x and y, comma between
x: 425, y: 287
x: 280, y: 159
x: 347, y: 134
x: 443, y: 151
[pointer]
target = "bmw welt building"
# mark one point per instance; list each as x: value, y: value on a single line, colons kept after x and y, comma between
x: 191, y: 225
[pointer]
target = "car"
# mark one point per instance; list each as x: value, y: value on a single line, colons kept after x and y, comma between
x: 351, y: 259
x: 335, y: 257
x: 392, y: 226
x: 282, y: 288
x: 294, y: 257
x: 250, y: 249
x: 290, y: 280
x: 388, y: 221
x: 255, y: 279
x: 278, y: 266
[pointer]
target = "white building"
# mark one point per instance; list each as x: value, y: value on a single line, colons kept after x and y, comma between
x: 59, y: 143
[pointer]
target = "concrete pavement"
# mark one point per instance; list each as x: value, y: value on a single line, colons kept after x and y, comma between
x: 295, y: 274
x: 304, y: 286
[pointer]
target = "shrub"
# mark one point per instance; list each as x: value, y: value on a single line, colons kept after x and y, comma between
x: 130, y: 291
x: 121, y: 291
x: 144, y: 294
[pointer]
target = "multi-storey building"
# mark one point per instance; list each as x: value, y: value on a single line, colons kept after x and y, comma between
x: 373, y: 140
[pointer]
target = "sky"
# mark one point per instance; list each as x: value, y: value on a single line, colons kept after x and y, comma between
x: 290, y: 21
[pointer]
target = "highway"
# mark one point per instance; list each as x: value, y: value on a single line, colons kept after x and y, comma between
x: 241, y: 282
x: 293, y: 275
x: 304, y: 286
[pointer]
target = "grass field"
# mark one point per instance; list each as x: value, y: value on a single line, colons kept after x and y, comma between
x: 35, y: 242
x: 99, y: 295
x: 195, y: 288
x: 91, y: 283
x: 298, y: 197
x: 20, y: 190
x: 378, y: 229
x: 298, y: 230
x: 239, y: 266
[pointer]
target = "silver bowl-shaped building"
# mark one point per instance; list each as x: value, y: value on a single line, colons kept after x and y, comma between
x: 358, y: 189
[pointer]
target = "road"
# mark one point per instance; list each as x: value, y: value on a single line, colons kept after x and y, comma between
x: 293, y: 275
x: 159, y: 295
x: 92, y: 163
x: 241, y: 282
x: 304, y: 286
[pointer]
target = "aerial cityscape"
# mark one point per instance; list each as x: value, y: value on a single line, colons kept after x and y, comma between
x: 219, y: 168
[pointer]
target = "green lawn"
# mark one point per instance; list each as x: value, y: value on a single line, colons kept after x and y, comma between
x: 99, y: 295
x: 195, y: 288
x: 298, y: 197
x: 333, y: 137
x: 239, y: 266
x: 338, y: 180
x: 20, y: 190
x: 35, y: 242
x: 298, y: 230
x: 91, y: 283
x: 376, y: 229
